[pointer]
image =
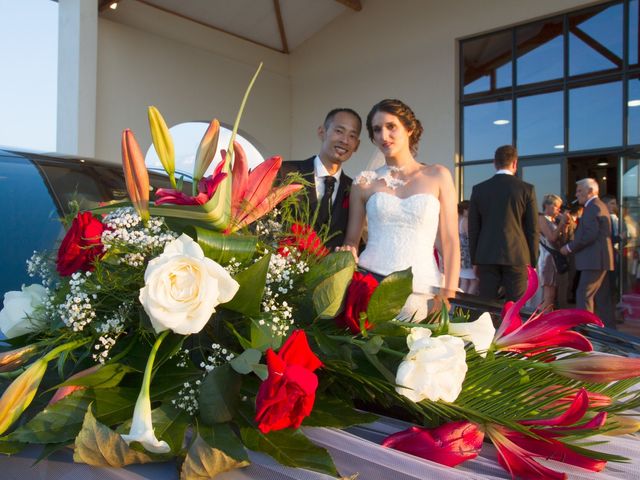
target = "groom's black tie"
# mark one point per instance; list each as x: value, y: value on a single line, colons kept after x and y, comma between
x: 325, y: 202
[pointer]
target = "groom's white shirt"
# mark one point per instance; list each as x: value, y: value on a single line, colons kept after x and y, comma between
x: 319, y: 172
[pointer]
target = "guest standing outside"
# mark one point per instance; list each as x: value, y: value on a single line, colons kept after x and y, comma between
x: 593, y: 251
x: 468, y: 279
x: 503, y: 228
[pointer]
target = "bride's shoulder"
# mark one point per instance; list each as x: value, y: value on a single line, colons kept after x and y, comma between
x: 437, y: 170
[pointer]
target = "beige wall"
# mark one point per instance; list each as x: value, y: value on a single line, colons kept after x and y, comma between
x: 189, y: 72
x: 405, y: 49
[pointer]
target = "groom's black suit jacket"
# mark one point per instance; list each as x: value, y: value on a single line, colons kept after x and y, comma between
x: 340, y: 207
x: 503, y: 228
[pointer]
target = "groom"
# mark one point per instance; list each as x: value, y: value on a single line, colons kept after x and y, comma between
x: 329, y: 190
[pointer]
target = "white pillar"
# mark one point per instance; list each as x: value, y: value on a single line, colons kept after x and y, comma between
x: 77, y: 76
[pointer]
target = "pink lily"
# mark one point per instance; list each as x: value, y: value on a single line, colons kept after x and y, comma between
x: 518, y: 452
x: 542, y: 330
x: 69, y: 389
x: 597, y: 367
x: 596, y: 400
x: 252, y: 195
x: 449, y: 444
x: 206, y: 188
x: 135, y: 174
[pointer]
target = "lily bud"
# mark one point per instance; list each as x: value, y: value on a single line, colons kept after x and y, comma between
x: 623, y: 425
x: 597, y: 367
x: 12, y: 359
x: 69, y: 389
x: 206, y: 150
x: 163, y: 143
x: 18, y: 396
x: 135, y: 174
x: 480, y: 332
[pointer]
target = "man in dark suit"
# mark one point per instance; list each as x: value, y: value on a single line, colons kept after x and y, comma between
x: 503, y: 228
x: 593, y: 251
x: 328, y: 192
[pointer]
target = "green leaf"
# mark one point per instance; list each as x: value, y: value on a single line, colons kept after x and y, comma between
x: 10, y: 448
x: 56, y: 423
x: 100, y: 446
x: 219, y: 395
x: 328, y: 282
x: 222, y: 437
x: 252, y: 281
x: 205, y: 462
x: 262, y: 336
x: 107, y: 376
x: 336, y: 413
x: 222, y: 248
x: 374, y: 345
x: 291, y: 448
x: 246, y: 361
x: 329, y: 265
x: 114, y: 405
x: 389, y: 297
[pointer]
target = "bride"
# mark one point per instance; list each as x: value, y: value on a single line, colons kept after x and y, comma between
x: 406, y: 204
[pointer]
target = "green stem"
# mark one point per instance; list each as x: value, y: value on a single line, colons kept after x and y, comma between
x: 63, y: 348
x: 353, y: 341
x: 146, y: 380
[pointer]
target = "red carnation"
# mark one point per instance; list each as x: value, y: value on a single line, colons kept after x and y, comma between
x: 81, y: 245
x: 357, y: 300
x: 304, y: 239
x: 286, y: 397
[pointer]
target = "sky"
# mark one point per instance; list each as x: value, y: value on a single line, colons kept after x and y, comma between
x: 29, y: 78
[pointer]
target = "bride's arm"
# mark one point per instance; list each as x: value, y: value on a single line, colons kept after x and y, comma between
x: 449, y: 236
x: 356, y: 220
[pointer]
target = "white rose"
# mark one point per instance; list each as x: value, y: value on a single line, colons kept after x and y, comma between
x: 183, y: 287
x: 15, y: 317
x: 480, y: 332
x: 434, y: 368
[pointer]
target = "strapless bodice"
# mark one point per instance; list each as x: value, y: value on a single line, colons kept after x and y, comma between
x: 401, y: 234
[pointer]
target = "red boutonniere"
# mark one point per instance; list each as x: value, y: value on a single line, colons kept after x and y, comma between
x: 345, y: 200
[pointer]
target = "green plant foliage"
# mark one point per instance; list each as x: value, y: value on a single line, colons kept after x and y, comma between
x: 222, y: 437
x: 219, y: 395
x: 107, y: 376
x: 252, y: 282
x: 336, y: 413
x: 222, y: 248
x: 389, y: 297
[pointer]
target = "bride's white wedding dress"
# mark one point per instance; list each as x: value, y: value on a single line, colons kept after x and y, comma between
x: 401, y: 234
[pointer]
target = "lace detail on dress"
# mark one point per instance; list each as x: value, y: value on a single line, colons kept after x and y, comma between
x: 401, y: 234
x: 383, y: 173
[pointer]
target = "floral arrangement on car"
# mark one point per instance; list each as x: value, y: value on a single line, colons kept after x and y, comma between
x: 199, y: 326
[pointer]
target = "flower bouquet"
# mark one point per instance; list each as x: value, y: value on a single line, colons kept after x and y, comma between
x: 199, y: 326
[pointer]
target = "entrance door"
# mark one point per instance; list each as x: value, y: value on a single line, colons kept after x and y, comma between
x: 629, y: 221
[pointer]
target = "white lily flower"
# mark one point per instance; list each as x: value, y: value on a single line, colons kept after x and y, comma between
x: 142, y: 428
x: 480, y: 332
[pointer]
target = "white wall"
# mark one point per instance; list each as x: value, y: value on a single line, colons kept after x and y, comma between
x: 405, y: 49
x: 190, y: 72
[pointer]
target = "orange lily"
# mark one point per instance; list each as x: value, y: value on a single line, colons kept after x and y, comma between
x: 17, y: 397
x: 12, y: 359
x: 206, y: 151
x: 69, y: 389
x: 252, y: 195
x: 135, y: 174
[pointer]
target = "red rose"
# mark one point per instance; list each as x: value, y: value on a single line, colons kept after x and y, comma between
x: 357, y: 300
x: 448, y: 444
x: 304, y: 239
x: 81, y: 245
x: 286, y: 397
x: 345, y: 202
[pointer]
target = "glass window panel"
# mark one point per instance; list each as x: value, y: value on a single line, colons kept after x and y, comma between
x: 486, y: 63
x: 474, y: 174
x: 633, y: 106
x: 539, y: 52
x: 595, y: 116
x: 630, y: 224
x: 545, y: 178
x: 540, y: 123
x: 486, y: 127
x: 634, y: 39
x: 595, y: 40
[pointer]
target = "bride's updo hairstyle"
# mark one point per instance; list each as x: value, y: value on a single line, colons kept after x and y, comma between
x: 406, y: 116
